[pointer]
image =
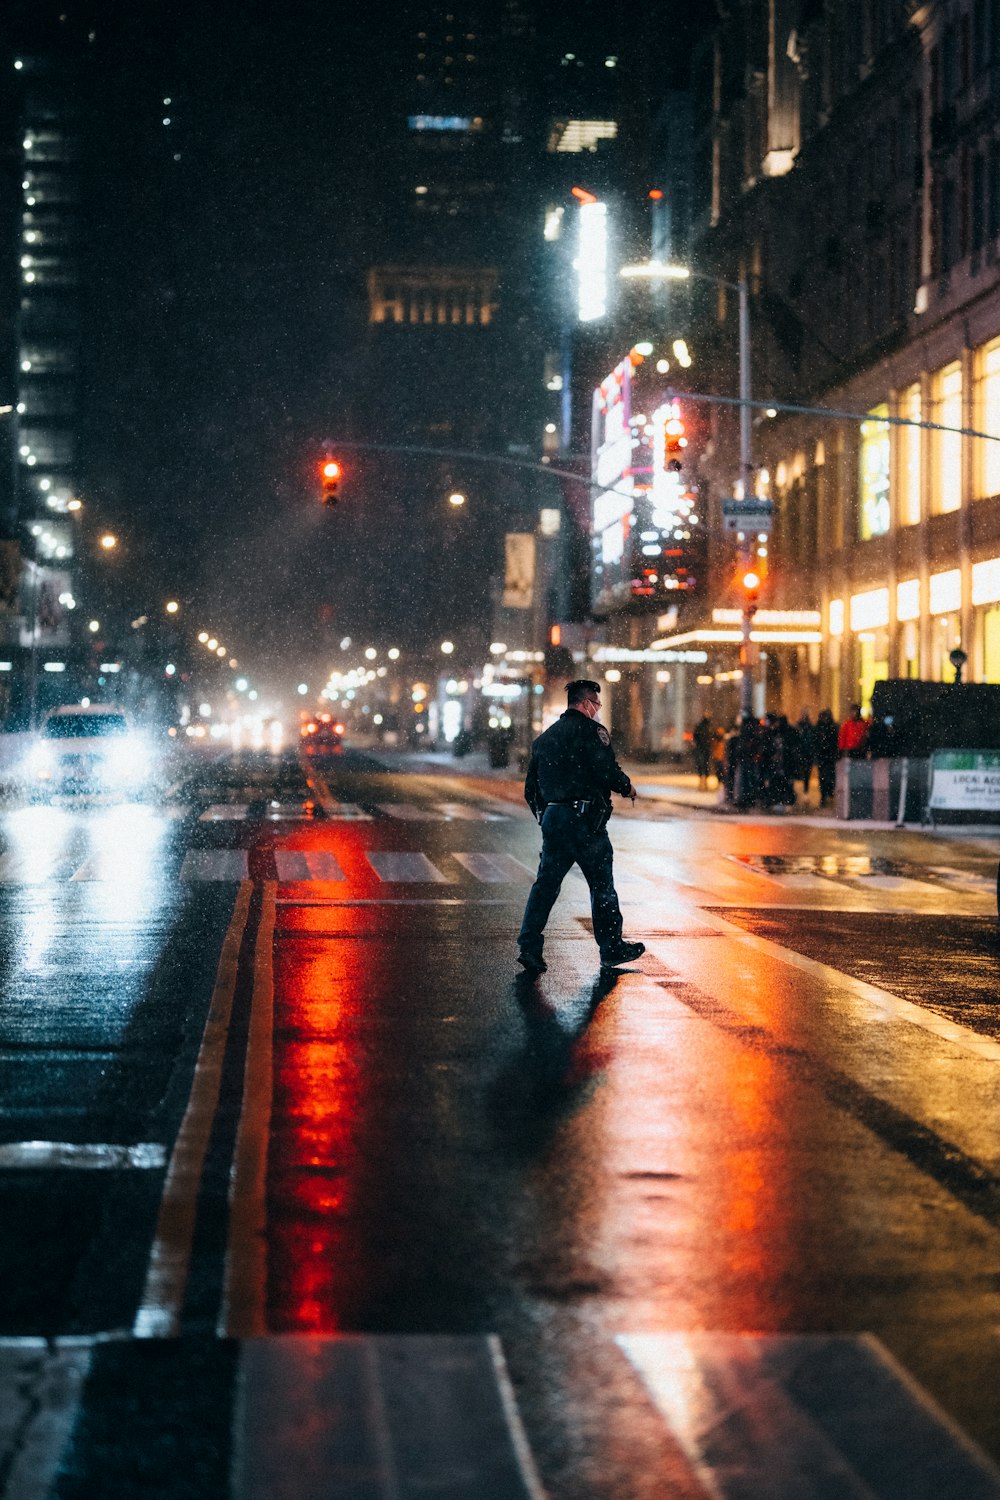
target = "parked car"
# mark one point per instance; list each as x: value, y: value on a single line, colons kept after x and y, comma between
x: 89, y: 749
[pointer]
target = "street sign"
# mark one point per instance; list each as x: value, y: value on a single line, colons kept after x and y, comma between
x: 747, y: 515
x: 966, y: 780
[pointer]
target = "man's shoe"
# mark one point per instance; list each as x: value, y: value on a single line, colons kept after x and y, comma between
x: 532, y: 963
x: 623, y: 954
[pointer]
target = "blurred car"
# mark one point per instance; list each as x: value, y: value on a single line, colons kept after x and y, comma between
x: 322, y: 737
x: 89, y: 749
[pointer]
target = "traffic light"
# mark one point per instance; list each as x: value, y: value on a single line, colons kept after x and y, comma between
x: 331, y: 473
x: 750, y: 582
x: 674, y: 440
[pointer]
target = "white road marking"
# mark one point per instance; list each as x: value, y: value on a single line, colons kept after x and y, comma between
x: 46, y: 1155
x: 158, y: 1315
x: 410, y: 812
x: 214, y: 864
x: 899, y: 883
x: 494, y: 868
x: 307, y: 864
x: 464, y: 811
x: 244, y: 1311
x: 789, y: 1417
x: 225, y: 812
x: 387, y: 1415
x: 41, y: 1384
x: 412, y: 869
x: 890, y: 1005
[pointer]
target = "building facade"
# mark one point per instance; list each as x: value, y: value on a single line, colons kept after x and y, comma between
x: 848, y: 166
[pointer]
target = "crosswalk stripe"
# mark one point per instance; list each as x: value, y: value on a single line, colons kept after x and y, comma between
x: 465, y: 812
x: 386, y: 1415
x: 493, y: 868
x: 894, y: 883
x: 782, y: 1417
x: 225, y: 812
x: 214, y: 864
x: 54, y: 1155
x: 410, y: 812
x: 407, y: 868
x: 41, y: 1384
x: 307, y: 864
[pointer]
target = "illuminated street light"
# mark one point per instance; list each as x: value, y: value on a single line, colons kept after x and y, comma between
x: 74, y: 505
x: 447, y: 647
x: 371, y: 653
x: 212, y: 643
x: 220, y: 651
x: 394, y: 653
x: 109, y: 541
x: 203, y: 636
x: 302, y: 689
x: 171, y: 606
x: 93, y: 626
x: 456, y: 499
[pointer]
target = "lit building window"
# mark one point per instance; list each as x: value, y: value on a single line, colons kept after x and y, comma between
x: 946, y: 485
x: 987, y: 478
x: 986, y: 581
x: 870, y: 611
x: 836, y: 617
x: 874, y: 477
x: 908, y: 600
x: 946, y: 592
x: 581, y: 135
x: 910, y: 440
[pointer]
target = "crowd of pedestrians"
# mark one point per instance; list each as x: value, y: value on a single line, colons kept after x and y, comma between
x: 768, y: 762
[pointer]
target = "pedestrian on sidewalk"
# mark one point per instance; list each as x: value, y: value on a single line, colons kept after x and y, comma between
x: 852, y: 740
x: 702, y: 737
x: 826, y: 755
x: 571, y: 776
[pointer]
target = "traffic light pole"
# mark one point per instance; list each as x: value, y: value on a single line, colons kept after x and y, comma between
x: 746, y: 475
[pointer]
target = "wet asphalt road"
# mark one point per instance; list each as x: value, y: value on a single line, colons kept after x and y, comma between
x: 303, y: 1192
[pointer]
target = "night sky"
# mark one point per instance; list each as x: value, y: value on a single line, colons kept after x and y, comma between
x: 227, y: 306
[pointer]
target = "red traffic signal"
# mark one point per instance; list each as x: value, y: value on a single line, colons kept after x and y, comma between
x: 331, y: 472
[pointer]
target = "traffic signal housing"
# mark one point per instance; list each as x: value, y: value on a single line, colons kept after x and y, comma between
x: 331, y: 473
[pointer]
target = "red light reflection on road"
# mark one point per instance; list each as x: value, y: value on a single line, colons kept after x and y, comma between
x: 312, y: 1175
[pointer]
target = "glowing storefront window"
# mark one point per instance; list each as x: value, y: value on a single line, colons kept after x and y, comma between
x: 908, y: 600
x: 946, y: 591
x: 869, y: 611
x: 946, y: 479
x: 910, y: 440
x: 991, y: 645
x: 988, y: 420
x: 874, y: 478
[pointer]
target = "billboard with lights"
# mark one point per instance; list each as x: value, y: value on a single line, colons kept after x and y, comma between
x: 647, y: 537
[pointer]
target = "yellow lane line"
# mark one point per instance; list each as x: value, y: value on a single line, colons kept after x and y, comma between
x: 159, y: 1310
x: 244, y: 1301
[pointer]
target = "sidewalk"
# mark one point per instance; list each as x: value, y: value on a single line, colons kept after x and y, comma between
x: 652, y: 782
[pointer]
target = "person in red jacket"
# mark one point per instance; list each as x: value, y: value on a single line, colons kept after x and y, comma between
x: 853, y: 737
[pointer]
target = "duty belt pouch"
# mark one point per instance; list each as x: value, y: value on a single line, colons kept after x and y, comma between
x: 596, y: 815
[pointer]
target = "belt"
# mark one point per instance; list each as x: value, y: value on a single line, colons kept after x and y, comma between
x: 580, y: 805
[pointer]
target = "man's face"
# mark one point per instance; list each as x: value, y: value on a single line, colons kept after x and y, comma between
x: 591, y: 705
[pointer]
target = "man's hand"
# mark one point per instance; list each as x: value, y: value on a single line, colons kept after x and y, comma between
x: 630, y: 794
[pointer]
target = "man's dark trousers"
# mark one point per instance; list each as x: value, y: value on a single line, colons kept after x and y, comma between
x: 567, y: 841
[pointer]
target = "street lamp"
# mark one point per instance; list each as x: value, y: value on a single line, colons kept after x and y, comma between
x: 447, y: 647
x: 456, y: 499
x: 659, y: 270
x: 171, y: 606
x: 109, y: 541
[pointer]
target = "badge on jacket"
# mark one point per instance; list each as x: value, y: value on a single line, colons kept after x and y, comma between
x: 603, y: 735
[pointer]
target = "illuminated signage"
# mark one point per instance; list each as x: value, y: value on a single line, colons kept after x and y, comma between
x: 647, y: 536
x: 874, y: 476
x: 444, y: 122
x: 591, y: 264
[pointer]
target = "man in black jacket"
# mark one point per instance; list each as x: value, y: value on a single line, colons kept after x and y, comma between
x: 572, y: 773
